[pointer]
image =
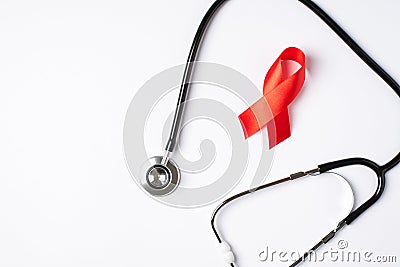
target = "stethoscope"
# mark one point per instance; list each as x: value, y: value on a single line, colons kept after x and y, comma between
x: 162, y: 175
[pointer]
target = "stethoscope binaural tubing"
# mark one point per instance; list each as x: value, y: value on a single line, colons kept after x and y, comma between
x: 380, y: 172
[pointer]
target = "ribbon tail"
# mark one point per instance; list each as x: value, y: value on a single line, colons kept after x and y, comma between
x: 255, y: 117
x: 279, y: 128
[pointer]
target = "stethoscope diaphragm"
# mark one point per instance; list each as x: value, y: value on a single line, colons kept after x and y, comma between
x: 160, y: 179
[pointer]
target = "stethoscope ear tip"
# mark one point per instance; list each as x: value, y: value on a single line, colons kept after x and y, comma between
x: 160, y: 179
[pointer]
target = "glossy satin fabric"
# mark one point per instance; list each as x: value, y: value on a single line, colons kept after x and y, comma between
x: 279, y: 92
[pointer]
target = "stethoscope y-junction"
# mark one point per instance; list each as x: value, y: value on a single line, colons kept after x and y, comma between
x: 162, y: 176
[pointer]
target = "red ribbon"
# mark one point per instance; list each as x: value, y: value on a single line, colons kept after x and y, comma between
x: 272, y: 109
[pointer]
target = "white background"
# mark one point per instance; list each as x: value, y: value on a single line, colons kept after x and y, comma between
x: 68, y: 71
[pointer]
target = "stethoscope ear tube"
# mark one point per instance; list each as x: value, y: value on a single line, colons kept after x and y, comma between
x: 295, y: 176
x: 349, y: 162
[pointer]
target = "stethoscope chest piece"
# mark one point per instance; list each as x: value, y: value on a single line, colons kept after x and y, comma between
x: 160, y: 179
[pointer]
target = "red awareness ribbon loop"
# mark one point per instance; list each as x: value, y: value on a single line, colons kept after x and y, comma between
x: 272, y: 109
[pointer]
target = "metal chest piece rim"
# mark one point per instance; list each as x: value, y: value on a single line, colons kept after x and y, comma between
x: 160, y: 179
